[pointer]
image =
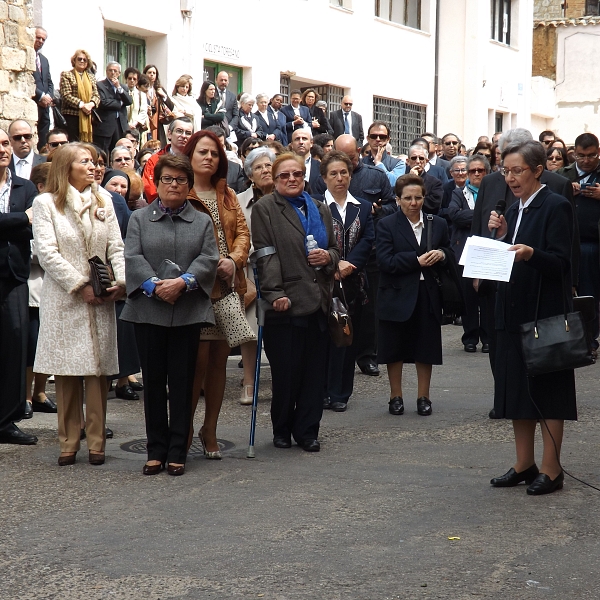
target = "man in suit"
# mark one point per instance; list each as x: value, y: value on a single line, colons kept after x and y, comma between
x: 275, y: 109
x: 296, y: 116
x: 23, y: 157
x: 16, y: 214
x: 379, y: 136
x: 433, y: 143
x: 417, y: 159
x: 346, y: 121
x: 44, y: 88
x: 450, y: 146
x: 301, y: 145
x: 114, y: 100
x: 228, y: 98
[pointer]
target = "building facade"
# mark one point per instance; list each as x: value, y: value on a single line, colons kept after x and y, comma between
x: 461, y: 66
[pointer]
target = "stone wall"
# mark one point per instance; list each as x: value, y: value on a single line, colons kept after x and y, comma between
x: 17, y: 62
x: 547, y: 9
x: 544, y: 52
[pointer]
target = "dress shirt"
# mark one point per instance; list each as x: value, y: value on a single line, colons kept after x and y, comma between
x: 341, y: 209
x: 418, y: 231
x: 349, y: 114
x: 5, y: 193
x: 523, y: 207
x: 23, y: 166
x: 265, y: 116
x: 308, y: 163
x: 583, y: 176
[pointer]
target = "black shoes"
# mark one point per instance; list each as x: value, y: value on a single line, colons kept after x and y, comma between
x: 512, y: 478
x: 136, y: 386
x: 175, y: 470
x: 28, y: 410
x: 424, y: 406
x: 470, y: 348
x: 109, y: 433
x: 282, y: 442
x: 126, y: 392
x: 370, y: 368
x: 327, y: 403
x: 339, y: 406
x: 310, y: 445
x: 13, y: 435
x: 485, y: 348
x: 542, y: 484
x: 492, y: 414
x: 47, y: 406
x: 396, y: 406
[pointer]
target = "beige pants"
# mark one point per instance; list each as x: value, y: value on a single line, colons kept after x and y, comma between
x: 69, y: 399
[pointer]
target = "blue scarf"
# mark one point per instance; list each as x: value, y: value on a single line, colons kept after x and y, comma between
x: 473, y: 189
x: 312, y: 223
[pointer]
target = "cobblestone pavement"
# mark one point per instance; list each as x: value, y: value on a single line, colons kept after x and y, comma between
x: 391, y: 508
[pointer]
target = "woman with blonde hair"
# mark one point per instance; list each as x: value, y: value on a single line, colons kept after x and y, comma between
x: 185, y: 104
x: 74, y: 222
x: 80, y: 96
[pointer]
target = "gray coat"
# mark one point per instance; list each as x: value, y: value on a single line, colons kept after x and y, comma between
x: 287, y: 273
x: 187, y: 239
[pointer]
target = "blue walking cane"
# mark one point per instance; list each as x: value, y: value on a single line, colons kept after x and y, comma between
x: 261, y: 307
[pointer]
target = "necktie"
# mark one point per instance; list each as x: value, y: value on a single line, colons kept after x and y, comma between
x: 346, y: 124
x: 223, y: 97
x: 38, y: 64
x: 20, y: 166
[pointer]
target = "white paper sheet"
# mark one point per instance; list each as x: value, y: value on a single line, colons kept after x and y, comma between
x: 484, y: 242
x: 485, y: 262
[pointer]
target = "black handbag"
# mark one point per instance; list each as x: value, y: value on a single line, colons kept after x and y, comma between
x: 447, y: 278
x: 101, y: 276
x: 59, y: 120
x: 339, y: 321
x: 556, y: 343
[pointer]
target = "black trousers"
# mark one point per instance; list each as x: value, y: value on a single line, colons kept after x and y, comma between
x: 72, y: 127
x: 366, y: 350
x: 14, y: 331
x: 487, y: 298
x: 474, y: 320
x: 168, y: 356
x: 43, y: 126
x: 297, y: 351
x: 108, y: 142
x: 340, y: 370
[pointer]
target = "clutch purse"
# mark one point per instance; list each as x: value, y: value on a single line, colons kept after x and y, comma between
x: 101, y: 276
x: 168, y: 270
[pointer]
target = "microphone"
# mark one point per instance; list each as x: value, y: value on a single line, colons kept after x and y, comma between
x: 500, y: 208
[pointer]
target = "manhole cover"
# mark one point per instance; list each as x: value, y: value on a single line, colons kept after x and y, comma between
x: 139, y: 447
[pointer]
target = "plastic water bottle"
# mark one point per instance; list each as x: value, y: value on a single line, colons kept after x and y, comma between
x: 311, y: 244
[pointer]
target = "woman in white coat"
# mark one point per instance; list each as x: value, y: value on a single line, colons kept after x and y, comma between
x: 75, y: 221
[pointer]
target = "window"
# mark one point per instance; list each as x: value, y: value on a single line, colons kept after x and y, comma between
x: 405, y: 12
x: 499, y: 122
x: 125, y: 49
x: 329, y: 93
x: 284, y: 88
x: 405, y: 120
x: 592, y: 8
x: 501, y: 21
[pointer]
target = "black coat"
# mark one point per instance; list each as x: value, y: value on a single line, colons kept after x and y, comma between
x: 273, y: 127
x: 210, y: 116
x: 288, y: 112
x: 16, y: 232
x: 324, y: 124
x: 336, y: 119
x: 462, y: 217
x: 43, y: 80
x: 397, y: 258
x: 546, y: 226
x: 111, y: 103
x: 244, y: 133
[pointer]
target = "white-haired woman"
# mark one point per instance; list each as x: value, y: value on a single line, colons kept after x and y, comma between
x: 246, y: 124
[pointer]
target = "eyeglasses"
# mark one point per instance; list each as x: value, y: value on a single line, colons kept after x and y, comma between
x: 379, y: 136
x: 516, y: 171
x: 476, y: 171
x: 81, y: 59
x: 56, y: 144
x: 122, y: 159
x: 168, y: 180
x: 285, y: 175
x: 451, y: 143
x: 182, y: 132
x: 580, y: 157
x: 100, y: 165
x: 23, y: 136
x: 265, y: 167
x: 419, y: 158
x: 554, y: 158
x: 458, y: 170
x: 548, y: 142
x: 348, y: 103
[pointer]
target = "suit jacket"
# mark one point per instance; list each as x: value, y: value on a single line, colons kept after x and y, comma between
x: 236, y: 177
x: 38, y: 159
x: 16, y: 231
x: 337, y: 122
x: 287, y: 273
x: 400, y: 272
x: 547, y: 226
x: 315, y: 175
x: 493, y: 188
x: 282, y: 121
x: 43, y: 80
x: 231, y: 105
x: 462, y: 217
x: 438, y: 172
x: 288, y: 111
x: 111, y: 104
x: 244, y: 133
x: 273, y: 127
x: 324, y: 124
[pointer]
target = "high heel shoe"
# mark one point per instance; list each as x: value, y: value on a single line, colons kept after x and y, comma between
x: 248, y: 395
x: 96, y: 458
x: 512, y: 478
x: 216, y: 455
x: 544, y: 485
x: 67, y: 459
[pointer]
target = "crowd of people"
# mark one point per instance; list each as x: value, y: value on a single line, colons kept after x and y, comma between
x: 170, y: 194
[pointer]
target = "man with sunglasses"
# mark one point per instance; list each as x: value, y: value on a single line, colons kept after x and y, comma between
x: 450, y: 146
x: 57, y: 138
x: 21, y: 141
x: 44, y: 88
x: 417, y: 159
x: 379, y: 136
x: 346, y: 121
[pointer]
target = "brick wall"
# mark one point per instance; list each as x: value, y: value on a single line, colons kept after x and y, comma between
x: 544, y: 52
x: 17, y: 62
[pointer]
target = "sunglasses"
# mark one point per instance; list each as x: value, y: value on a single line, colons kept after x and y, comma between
x: 379, y: 136
x: 476, y: 171
x: 348, y: 103
x: 295, y: 174
x: 122, y: 159
x: 450, y: 143
x: 56, y: 144
x: 23, y: 136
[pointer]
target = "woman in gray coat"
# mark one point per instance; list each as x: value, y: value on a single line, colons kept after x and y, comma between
x: 171, y: 262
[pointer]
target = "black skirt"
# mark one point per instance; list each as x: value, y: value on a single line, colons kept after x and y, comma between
x: 553, y: 393
x: 417, y: 340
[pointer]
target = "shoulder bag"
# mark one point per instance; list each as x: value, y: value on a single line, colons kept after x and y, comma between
x: 338, y: 320
x: 101, y: 276
x: 556, y: 343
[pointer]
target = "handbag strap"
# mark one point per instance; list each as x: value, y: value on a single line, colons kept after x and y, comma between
x: 429, y: 231
x: 537, y: 305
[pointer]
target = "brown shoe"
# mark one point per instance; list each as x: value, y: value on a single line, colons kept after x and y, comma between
x: 153, y: 469
x: 96, y: 458
x: 175, y: 470
x: 64, y: 460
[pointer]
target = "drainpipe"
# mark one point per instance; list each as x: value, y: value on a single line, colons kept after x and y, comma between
x: 437, y: 65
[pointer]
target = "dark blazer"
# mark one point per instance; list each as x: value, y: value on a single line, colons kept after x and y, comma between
x: 122, y: 212
x: 324, y: 124
x: 546, y: 226
x: 493, y: 188
x: 236, y: 178
x: 241, y: 132
x: 397, y: 258
x: 461, y: 216
x: 447, y: 188
x: 43, y: 80
x: 231, y: 105
x: 287, y: 273
x: 288, y: 111
x: 16, y: 232
x: 438, y: 172
x: 281, y: 118
x: 315, y: 174
x: 38, y: 159
x: 111, y: 103
x: 337, y: 122
x: 442, y: 163
x: 210, y: 116
x: 273, y: 127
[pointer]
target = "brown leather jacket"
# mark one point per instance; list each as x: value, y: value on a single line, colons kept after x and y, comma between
x: 236, y: 231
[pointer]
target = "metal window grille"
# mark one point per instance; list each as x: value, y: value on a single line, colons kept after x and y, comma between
x: 125, y: 49
x: 592, y: 8
x: 284, y: 88
x: 405, y: 120
x: 112, y: 50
